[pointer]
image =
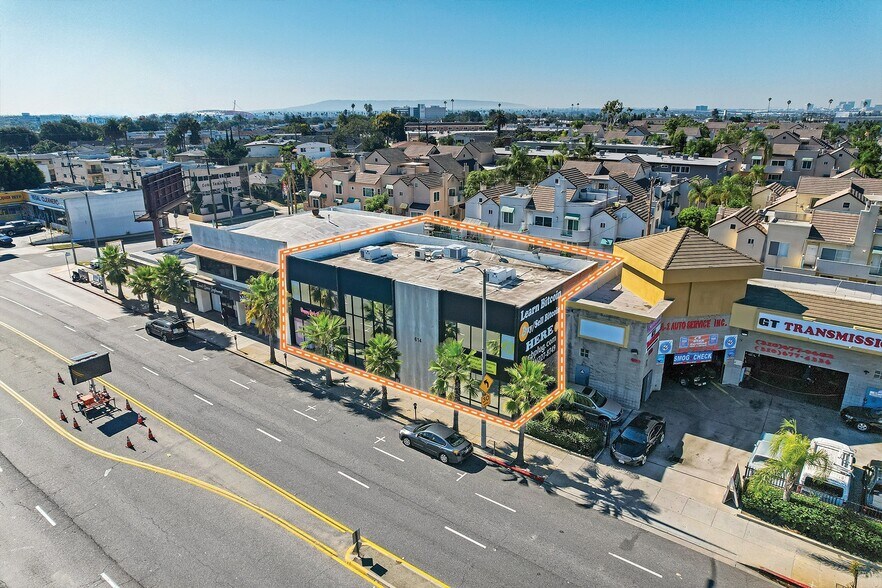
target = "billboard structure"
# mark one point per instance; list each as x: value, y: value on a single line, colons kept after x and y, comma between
x: 89, y: 366
x: 163, y: 191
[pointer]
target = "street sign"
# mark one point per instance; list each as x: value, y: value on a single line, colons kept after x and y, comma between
x: 356, y: 541
x: 485, y: 400
x: 486, y: 383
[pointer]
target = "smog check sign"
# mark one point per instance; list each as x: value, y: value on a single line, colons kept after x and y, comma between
x: 848, y: 337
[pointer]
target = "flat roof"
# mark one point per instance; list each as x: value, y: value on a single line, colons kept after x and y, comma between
x: 302, y: 228
x: 613, y: 296
x: 533, y: 279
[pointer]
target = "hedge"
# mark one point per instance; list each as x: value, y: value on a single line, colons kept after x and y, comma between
x: 579, y: 439
x: 829, y: 524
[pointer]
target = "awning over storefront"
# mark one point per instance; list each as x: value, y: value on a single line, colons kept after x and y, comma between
x: 234, y: 259
x: 209, y: 285
x: 389, y: 187
x: 419, y: 206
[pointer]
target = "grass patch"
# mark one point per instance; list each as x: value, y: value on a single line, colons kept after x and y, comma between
x: 60, y: 246
x: 576, y: 438
x: 829, y: 524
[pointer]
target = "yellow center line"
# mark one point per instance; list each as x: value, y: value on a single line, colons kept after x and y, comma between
x: 236, y: 464
x: 291, y: 528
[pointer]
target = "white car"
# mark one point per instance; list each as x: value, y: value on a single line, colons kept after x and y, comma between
x: 830, y: 484
x: 95, y: 263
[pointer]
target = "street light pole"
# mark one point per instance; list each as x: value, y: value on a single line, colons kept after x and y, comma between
x: 483, y: 344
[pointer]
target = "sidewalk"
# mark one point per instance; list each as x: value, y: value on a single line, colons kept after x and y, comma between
x: 684, y: 508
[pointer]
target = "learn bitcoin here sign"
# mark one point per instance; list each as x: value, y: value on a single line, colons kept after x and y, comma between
x: 536, y: 333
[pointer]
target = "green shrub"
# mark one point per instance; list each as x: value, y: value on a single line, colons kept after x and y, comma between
x: 829, y: 524
x: 579, y: 439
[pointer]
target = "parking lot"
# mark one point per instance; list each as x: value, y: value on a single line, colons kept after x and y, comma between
x: 712, y: 429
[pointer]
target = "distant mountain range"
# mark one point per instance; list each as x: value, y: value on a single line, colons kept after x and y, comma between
x: 380, y: 105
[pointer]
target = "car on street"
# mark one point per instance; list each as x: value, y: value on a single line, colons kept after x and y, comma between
x: 167, y: 328
x: 95, y: 263
x: 862, y: 418
x: 20, y: 227
x: 638, y: 439
x: 6, y: 241
x: 437, y: 440
x: 692, y: 375
x: 591, y: 402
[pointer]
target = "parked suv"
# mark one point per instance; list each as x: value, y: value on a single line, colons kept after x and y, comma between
x: 762, y: 452
x: 831, y: 484
x: 590, y: 401
x: 20, y: 227
x: 692, y: 375
x: 167, y: 328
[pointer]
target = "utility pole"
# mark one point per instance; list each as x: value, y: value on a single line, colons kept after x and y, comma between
x: 211, y: 189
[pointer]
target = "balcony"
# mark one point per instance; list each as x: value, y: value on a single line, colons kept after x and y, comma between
x: 559, y: 234
x: 849, y: 271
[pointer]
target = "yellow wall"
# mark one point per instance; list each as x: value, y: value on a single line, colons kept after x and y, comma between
x: 706, y: 298
x: 641, y: 285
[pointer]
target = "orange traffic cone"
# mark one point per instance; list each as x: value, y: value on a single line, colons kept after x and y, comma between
x: 62, y: 417
x: 128, y: 406
x: 76, y: 425
x: 55, y: 394
x: 58, y: 377
x: 129, y: 443
x: 150, y: 436
x: 140, y: 419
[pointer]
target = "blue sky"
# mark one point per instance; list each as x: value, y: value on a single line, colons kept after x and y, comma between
x: 126, y: 56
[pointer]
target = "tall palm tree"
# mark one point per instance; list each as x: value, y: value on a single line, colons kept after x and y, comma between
x: 261, y: 301
x: 793, y: 451
x: 143, y: 281
x: 326, y: 332
x: 306, y: 168
x: 289, y: 182
x: 700, y: 190
x: 756, y: 141
x: 528, y: 383
x: 172, y: 282
x: 756, y: 174
x: 557, y: 413
x: 114, y: 267
x: 381, y: 357
x: 452, y: 367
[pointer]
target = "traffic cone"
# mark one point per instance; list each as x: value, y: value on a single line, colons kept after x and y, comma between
x: 128, y: 406
x: 58, y: 377
x: 150, y: 436
x: 62, y: 417
x: 140, y: 419
x: 129, y: 443
x: 76, y: 425
x: 104, y: 389
x: 55, y: 394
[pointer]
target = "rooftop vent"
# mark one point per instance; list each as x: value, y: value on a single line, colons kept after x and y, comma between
x: 427, y: 253
x: 500, y: 275
x: 456, y: 251
x: 374, y: 253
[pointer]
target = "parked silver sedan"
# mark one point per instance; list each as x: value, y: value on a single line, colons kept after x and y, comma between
x: 436, y: 440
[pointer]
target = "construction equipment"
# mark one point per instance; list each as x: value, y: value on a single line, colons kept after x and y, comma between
x: 94, y: 404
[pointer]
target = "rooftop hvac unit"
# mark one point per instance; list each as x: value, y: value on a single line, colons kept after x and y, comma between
x: 375, y: 253
x: 499, y: 275
x: 456, y: 251
x: 427, y: 253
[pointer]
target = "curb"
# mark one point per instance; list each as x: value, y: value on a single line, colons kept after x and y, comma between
x: 514, y: 468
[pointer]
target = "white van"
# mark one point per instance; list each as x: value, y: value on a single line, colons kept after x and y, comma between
x: 831, y: 485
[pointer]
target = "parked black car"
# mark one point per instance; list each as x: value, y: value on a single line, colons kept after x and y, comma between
x: 693, y: 375
x: 638, y: 439
x: 437, y: 440
x: 862, y: 417
x: 167, y: 328
x: 20, y: 227
x: 6, y: 241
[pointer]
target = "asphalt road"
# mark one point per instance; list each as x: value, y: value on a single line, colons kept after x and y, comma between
x: 469, y: 525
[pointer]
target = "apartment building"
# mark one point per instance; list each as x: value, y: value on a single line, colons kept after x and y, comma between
x: 80, y: 170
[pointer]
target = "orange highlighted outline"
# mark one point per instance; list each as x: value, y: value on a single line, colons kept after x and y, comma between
x: 440, y: 400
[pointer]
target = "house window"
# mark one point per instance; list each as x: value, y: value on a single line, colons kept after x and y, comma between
x: 750, y: 241
x: 367, y: 192
x: 830, y: 254
x: 779, y: 249
x: 507, y: 217
x: 303, y: 150
x: 777, y: 163
x: 806, y: 164
x: 451, y: 191
x: 437, y: 213
x: 542, y: 221
x: 436, y: 196
x: 321, y: 149
x: 732, y: 226
x: 602, y: 225
x: 679, y: 169
x: 757, y: 160
x: 846, y: 205
x: 583, y: 352
x: 774, y: 177
x: 572, y: 224
x: 603, y: 186
x: 338, y: 189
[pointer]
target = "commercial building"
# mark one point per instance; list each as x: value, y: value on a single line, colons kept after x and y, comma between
x: 111, y: 212
x: 12, y: 205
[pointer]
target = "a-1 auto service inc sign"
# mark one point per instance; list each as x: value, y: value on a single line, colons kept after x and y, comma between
x: 820, y: 332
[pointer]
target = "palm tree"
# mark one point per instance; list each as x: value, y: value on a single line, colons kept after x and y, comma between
x: 452, y: 365
x: 497, y: 119
x: 143, y: 281
x: 700, y: 190
x: 587, y: 150
x: 307, y: 169
x: 556, y: 413
x: 114, y: 267
x: 327, y: 334
x: 527, y: 384
x: 756, y: 174
x: 289, y: 181
x: 381, y: 357
x: 323, y: 297
x: 769, y: 107
x: 794, y: 451
x: 261, y: 301
x: 172, y: 281
x: 757, y: 140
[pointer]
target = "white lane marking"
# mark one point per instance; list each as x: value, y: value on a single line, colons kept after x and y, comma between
x: 149, y: 370
x: 360, y: 483
x: 389, y: 454
x: 380, y: 439
x: 41, y: 293
x: 238, y: 384
x: 45, y: 516
x: 304, y: 414
x: 107, y: 472
x: 494, y: 502
x: 38, y: 313
x: 185, y: 358
x: 270, y: 436
x: 110, y: 582
x: 638, y: 566
x: 70, y: 328
x: 467, y: 538
x: 134, y: 326
x: 210, y: 403
x: 310, y: 407
x: 461, y: 476
x: 106, y: 347
x: 141, y: 337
